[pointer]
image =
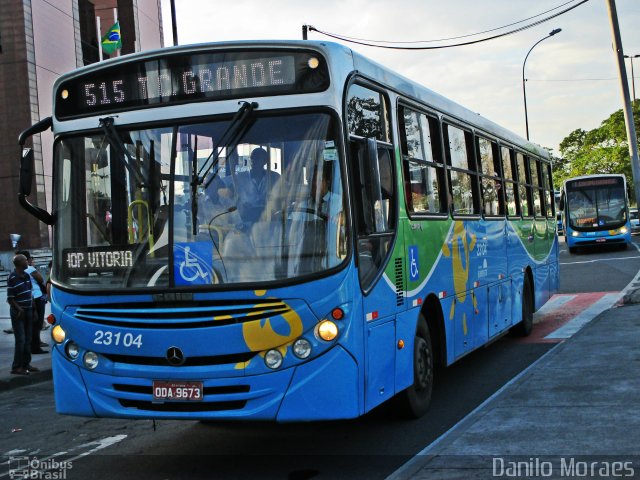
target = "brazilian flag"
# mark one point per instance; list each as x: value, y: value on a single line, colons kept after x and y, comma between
x: 112, y: 40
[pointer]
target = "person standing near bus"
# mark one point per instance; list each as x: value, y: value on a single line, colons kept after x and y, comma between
x: 21, y: 302
x: 38, y: 291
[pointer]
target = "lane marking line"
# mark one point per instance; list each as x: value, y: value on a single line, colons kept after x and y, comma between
x: 99, y: 445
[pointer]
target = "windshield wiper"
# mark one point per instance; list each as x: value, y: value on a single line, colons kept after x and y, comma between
x: 114, y: 139
x: 237, y: 128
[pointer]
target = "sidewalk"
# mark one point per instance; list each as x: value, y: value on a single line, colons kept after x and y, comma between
x: 7, y: 342
x: 576, y: 409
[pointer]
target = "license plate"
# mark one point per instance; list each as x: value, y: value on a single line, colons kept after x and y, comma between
x: 177, y: 391
x: 600, y: 240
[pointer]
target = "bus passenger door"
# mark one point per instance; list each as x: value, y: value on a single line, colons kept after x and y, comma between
x: 380, y: 272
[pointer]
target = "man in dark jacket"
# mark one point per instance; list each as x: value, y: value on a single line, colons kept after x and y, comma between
x: 20, y: 299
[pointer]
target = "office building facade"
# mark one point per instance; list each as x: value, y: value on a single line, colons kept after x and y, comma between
x: 39, y: 41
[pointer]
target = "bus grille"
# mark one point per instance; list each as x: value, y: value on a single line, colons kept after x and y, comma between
x: 194, y: 315
x: 189, y: 361
x: 204, y: 406
x: 183, y: 406
x: 148, y: 389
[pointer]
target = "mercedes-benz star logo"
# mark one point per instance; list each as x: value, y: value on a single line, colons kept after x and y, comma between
x: 175, y: 356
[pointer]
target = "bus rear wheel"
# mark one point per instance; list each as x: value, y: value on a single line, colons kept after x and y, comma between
x: 415, y: 400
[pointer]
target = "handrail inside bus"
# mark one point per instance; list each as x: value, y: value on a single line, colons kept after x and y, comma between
x: 138, y: 234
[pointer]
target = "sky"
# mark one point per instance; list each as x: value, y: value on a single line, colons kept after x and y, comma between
x: 572, y: 77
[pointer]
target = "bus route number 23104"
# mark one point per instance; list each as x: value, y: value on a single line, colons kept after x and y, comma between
x: 110, y: 338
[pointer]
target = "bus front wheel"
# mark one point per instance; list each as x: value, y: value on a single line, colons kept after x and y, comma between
x: 415, y: 400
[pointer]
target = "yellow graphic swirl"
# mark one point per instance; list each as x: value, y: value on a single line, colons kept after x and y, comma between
x: 461, y: 246
x: 260, y: 334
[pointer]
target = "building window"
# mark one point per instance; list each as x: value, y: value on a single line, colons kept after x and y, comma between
x: 88, y: 33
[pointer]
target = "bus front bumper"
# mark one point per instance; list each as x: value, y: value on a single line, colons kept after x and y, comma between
x: 584, y: 241
x: 321, y: 389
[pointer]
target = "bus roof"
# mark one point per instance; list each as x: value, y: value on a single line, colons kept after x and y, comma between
x: 347, y: 59
x: 596, y: 175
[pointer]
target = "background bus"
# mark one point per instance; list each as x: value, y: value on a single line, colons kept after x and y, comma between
x: 280, y: 231
x: 596, y: 211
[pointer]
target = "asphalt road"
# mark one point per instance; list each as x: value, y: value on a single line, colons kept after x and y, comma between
x: 370, y: 447
x: 606, y: 269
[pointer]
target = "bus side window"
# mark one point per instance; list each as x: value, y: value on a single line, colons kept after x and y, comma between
x: 509, y: 182
x: 422, y: 162
x: 524, y: 190
x: 492, y: 199
x: 462, y: 171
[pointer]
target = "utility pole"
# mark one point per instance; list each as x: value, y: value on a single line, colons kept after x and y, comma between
x: 174, y: 23
x: 628, y: 112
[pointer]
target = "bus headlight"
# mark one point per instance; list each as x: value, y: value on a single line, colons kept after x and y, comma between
x: 273, y: 359
x: 58, y: 334
x: 72, y: 350
x: 327, y: 330
x: 623, y: 230
x: 90, y: 360
x: 302, y: 348
x: 575, y: 234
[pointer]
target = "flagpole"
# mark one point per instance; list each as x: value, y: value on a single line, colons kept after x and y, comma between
x: 115, y: 20
x: 99, y: 38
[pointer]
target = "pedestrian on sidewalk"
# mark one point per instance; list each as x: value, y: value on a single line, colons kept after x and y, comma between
x: 38, y: 291
x: 21, y: 301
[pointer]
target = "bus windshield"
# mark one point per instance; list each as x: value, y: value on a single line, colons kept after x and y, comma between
x: 596, y: 204
x: 200, y: 204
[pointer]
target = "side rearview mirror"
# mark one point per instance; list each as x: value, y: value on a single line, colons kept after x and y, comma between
x: 26, y: 171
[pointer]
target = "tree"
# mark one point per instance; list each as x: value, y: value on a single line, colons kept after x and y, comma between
x: 604, y: 149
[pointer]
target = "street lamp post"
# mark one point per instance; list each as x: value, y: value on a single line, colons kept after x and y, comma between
x: 633, y: 80
x: 524, y: 88
x: 174, y: 23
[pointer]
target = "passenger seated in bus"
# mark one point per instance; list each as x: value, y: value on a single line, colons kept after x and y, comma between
x: 322, y: 202
x: 255, y: 187
x: 263, y: 178
x: 218, y: 212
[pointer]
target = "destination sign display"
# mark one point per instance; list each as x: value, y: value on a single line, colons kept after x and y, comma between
x: 596, y: 182
x: 82, y: 261
x: 185, y: 77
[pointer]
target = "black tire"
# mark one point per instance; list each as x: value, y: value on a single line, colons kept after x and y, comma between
x: 523, y: 329
x: 624, y: 246
x: 573, y: 249
x: 415, y: 400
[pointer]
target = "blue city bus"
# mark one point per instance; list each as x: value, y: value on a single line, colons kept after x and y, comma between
x: 596, y: 211
x: 281, y: 231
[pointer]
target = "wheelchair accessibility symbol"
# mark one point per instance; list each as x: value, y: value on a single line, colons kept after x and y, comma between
x: 414, y: 269
x: 193, y: 263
